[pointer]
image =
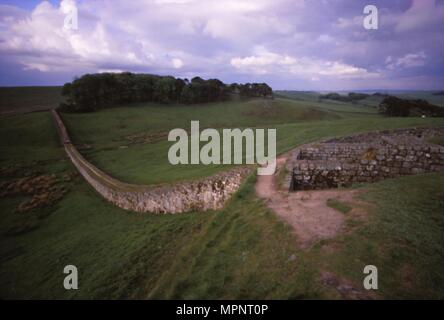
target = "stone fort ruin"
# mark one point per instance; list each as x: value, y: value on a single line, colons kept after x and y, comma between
x: 364, y: 158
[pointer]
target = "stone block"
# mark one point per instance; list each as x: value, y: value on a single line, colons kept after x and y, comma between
x: 405, y: 171
x: 407, y: 164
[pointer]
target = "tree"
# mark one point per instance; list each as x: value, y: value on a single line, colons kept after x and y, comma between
x: 95, y: 91
x: 396, y: 107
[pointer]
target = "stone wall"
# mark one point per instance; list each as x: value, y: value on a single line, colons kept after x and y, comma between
x: 368, y: 157
x: 207, y: 194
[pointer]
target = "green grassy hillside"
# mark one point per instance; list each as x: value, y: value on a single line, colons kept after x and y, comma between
x: 131, y: 143
x: 29, y: 99
x: 242, y: 251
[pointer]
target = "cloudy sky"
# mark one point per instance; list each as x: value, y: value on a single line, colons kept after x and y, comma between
x: 290, y: 44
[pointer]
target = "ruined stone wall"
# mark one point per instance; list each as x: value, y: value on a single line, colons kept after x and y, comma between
x: 366, y: 157
x: 207, y: 194
x: 409, y: 136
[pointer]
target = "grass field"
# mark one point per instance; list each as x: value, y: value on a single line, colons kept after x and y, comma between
x: 144, y: 161
x: 28, y: 99
x: 242, y: 251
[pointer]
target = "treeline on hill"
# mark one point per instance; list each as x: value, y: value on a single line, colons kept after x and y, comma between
x: 96, y: 91
x: 396, y: 107
x: 352, y: 96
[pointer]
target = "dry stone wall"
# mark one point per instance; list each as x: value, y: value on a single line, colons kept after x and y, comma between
x: 368, y: 157
x: 206, y: 194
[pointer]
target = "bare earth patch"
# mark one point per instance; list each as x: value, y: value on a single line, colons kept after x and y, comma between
x: 313, y: 220
x: 307, y: 211
x: 44, y: 189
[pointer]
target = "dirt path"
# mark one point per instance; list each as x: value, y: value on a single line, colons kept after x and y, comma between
x: 306, y: 211
x: 312, y: 220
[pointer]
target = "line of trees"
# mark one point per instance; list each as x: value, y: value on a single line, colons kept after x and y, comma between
x: 397, y: 107
x: 252, y: 89
x: 96, y: 91
x: 351, y: 97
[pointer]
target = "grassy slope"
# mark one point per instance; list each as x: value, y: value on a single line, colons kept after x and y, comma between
x: 429, y: 96
x: 26, y: 99
x: 371, y: 101
x: 403, y: 237
x: 123, y: 255
x: 367, y: 106
x: 295, y: 122
x: 242, y: 251
x: 148, y: 163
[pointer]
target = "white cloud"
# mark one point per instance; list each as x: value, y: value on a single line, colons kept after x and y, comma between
x: 177, y: 63
x: 41, y: 43
x: 188, y: 27
x: 421, y: 14
x: 326, y: 38
x: 265, y: 62
x: 110, y: 71
x: 410, y: 60
x: 146, y: 39
x: 241, y: 28
x: 353, y: 22
x: 67, y: 6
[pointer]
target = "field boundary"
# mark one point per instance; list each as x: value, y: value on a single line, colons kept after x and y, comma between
x: 210, y: 193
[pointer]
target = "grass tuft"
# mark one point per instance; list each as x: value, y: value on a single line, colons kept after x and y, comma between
x: 339, y: 206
